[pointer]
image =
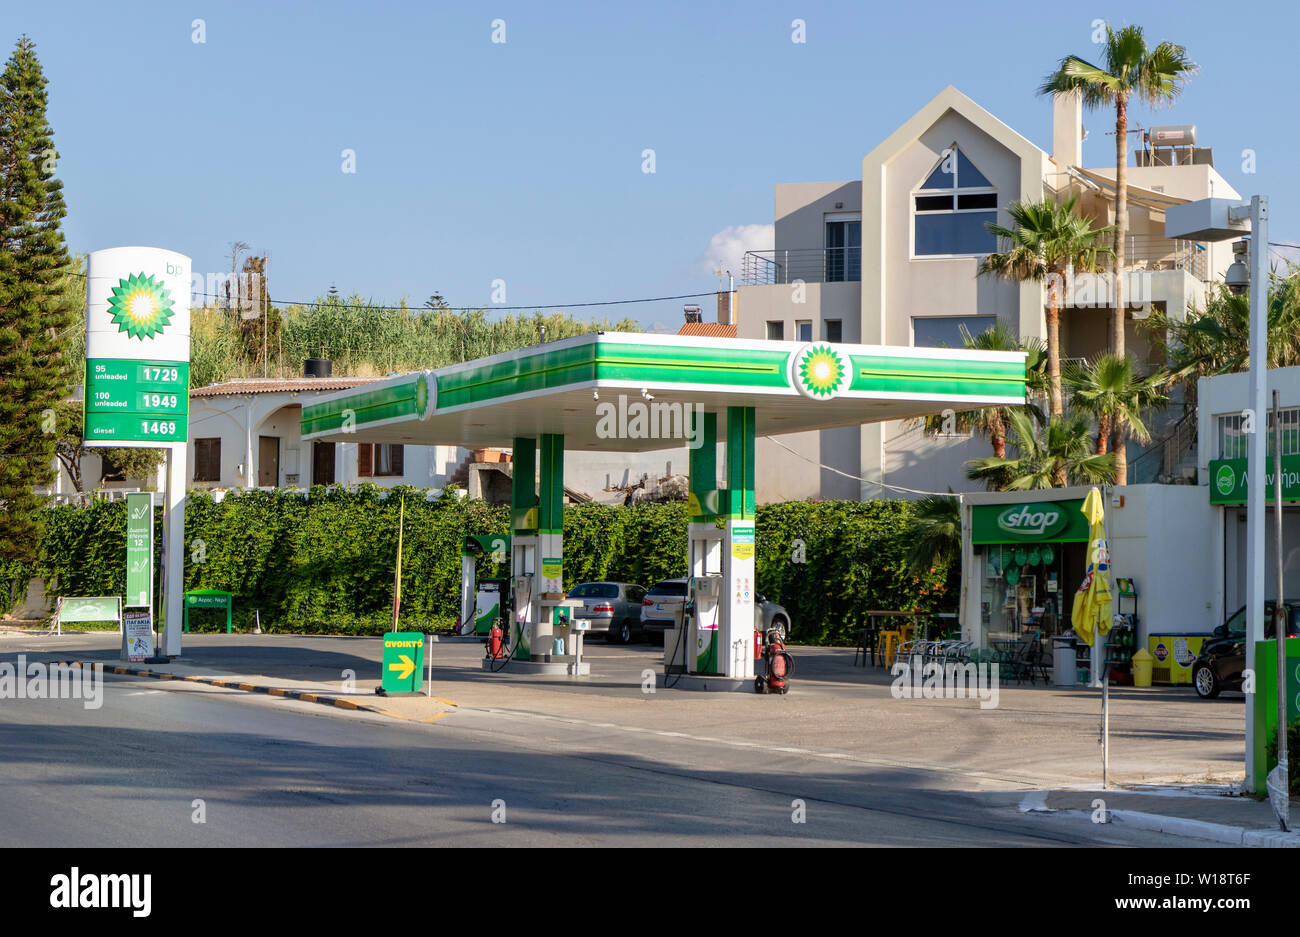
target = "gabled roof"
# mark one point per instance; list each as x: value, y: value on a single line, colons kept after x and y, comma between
x: 950, y: 99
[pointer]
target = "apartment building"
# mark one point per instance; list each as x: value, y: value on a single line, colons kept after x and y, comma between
x: 892, y: 258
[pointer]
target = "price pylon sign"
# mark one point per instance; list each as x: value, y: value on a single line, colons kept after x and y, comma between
x: 137, y: 347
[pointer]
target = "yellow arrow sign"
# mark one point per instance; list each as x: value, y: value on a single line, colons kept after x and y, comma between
x: 405, y: 668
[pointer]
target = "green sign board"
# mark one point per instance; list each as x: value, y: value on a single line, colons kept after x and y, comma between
x: 1228, y: 480
x: 403, y: 662
x: 1030, y: 522
x: 553, y: 567
x: 139, y: 549
x: 132, y: 400
x: 1265, y: 701
x: 93, y: 608
x: 208, y: 598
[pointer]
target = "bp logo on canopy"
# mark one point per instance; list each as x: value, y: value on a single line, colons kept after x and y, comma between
x: 819, y: 371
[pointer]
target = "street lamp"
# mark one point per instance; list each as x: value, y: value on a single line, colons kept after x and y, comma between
x: 1221, y: 219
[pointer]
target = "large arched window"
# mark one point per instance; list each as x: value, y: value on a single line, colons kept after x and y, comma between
x: 951, y: 209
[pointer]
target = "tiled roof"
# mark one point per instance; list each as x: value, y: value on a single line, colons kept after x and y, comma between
x: 279, y: 385
x: 708, y: 330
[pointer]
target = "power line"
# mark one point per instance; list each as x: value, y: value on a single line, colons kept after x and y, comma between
x: 408, y: 308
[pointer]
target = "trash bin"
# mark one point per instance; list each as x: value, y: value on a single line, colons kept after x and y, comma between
x: 1063, y: 665
x: 1142, y: 662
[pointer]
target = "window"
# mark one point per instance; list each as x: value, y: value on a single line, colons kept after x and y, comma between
x: 207, y: 460
x: 378, y: 459
x: 803, y: 330
x: 776, y: 331
x: 1233, y: 439
x: 595, y: 590
x: 946, y: 331
x: 843, y: 248
x: 834, y: 330
x: 952, y: 208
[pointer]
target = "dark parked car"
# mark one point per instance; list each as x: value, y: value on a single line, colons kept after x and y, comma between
x: 611, y: 607
x: 1223, y: 657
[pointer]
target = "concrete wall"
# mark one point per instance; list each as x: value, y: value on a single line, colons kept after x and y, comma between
x: 801, y: 210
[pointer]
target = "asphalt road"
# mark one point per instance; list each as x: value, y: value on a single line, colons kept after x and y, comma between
x: 275, y: 772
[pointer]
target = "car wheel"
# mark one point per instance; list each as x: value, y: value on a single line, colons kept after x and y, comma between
x: 783, y: 626
x: 1205, y: 681
x: 622, y: 632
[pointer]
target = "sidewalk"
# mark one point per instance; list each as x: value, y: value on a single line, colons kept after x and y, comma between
x: 1206, y: 812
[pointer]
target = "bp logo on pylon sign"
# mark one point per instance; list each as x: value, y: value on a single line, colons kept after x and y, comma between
x: 819, y: 371
x: 140, y: 306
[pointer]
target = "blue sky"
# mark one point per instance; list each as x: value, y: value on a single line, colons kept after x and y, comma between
x: 522, y: 160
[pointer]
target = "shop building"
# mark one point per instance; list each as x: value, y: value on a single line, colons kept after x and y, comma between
x: 1025, y: 552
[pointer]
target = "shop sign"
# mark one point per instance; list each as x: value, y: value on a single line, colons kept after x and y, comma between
x: 1029, y: 522
x: 1228, y: 480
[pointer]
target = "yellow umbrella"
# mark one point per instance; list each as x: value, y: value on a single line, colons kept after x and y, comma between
x: 1092, y: 601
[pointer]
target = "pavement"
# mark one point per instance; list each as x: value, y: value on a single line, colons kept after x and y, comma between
x: 1174, y: 761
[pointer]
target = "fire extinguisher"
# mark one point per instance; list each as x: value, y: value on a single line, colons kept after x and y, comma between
x: 778, y: 666
x: 496, y: 649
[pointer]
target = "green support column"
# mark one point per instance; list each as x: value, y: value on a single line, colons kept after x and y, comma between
x: 550, y: 514
x: 523, y: 486
x: 550, y: 518
x: 740, y: 462
x: 702, y: 504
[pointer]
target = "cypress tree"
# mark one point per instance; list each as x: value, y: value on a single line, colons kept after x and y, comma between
x: 36, y: 317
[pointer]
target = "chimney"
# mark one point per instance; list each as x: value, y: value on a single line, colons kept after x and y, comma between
x: 724, y: 307
x: 1067, y: 130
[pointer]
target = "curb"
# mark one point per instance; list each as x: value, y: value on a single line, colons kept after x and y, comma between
x: 305, y: 696
x: 1214, y: 832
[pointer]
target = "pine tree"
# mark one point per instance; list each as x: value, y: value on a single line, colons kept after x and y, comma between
x: 35, y: 315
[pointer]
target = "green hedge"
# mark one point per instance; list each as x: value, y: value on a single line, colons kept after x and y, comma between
x: 322, y: 562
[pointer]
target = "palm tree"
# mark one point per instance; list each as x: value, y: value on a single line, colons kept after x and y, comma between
x: 1132, y: 70
x: 1047, y: 240
x: 1109, y: 390
x: 935, y: 533
x: 1051, y: 456
x: 991, y: 422
x: 1216, y: 340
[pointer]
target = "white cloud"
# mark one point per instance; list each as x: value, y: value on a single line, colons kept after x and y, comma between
x: 728, y: 246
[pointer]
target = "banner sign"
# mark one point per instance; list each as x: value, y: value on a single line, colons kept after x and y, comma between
x: 137, y: 632
x: 137, y: 347
x: 1228, y: 480
x: 139, y: 549
x: 1032, y: 522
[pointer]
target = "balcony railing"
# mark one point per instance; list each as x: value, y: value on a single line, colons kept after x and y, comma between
x: 1152, y: 252
x: 844, y: 264
x: 811, y: 265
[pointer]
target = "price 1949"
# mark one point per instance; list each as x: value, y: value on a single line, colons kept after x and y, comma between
x: 159, y: 401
